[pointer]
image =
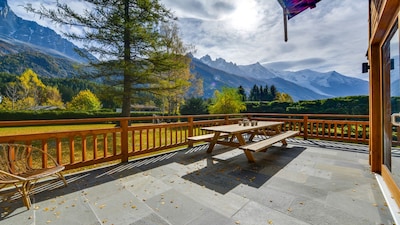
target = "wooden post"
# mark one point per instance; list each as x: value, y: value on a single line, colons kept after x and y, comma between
x: 226, y: 119
x: 190, y: 130
x: 124, y: 140
x: 305, y: 127
x: 375, y: 112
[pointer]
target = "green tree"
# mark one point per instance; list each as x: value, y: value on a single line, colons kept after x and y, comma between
x: 242, y: 93
x: 194, y: 106
x: 32, y: 86
x: 174, y: 83
x: 265, y: 93
x: 84, y: 101
x: 227, y: 101
x: 284, y: 97
x: 254, y: 93
x: 12, y: 93
x: 52, y: 96
x: 273, y: 93
x: 125, y: 34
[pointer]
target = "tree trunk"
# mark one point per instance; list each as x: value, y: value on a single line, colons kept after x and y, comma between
x: 126, y: 100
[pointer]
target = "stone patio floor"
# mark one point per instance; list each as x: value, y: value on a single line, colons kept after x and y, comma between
x: 308, y: 182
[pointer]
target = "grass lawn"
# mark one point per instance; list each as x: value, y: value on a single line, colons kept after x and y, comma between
x: 7, y: 131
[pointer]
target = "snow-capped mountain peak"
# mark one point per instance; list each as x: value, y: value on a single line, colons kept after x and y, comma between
x: 330, y: 84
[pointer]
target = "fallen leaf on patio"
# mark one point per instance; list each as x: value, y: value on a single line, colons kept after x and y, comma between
x: 270, y: 222
x: 48, y: 221
x: 162, y: 203
x: 376, y: 205
x: 133, y: 207
x: 46, y: 209
x: 289, y: 209
x: 237, y: 222
x: 102, y: 206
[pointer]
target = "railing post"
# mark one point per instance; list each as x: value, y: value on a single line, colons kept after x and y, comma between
x: 226, y: 119
x: 190, y: 130
x: 305, y: 127
x: 124, y: 140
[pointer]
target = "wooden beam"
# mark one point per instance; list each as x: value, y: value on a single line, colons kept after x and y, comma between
x: 386, y: 19
x: 375, y: 108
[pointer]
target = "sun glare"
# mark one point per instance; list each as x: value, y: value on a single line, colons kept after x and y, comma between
x: 245, y: 17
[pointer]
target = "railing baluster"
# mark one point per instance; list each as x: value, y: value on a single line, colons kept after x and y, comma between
x: 71, y: 149
x: 105, y: 145
x: 95, y: 146
x: 84, y: 149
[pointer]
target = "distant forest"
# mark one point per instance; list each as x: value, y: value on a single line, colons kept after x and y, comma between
x: 68, y: 87
x: 351, y: 105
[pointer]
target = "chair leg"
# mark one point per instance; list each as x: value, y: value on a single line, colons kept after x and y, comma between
x: 61, y: 176
x: 24, y: 190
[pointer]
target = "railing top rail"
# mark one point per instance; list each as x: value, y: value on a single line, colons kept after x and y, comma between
x: 149, y: 118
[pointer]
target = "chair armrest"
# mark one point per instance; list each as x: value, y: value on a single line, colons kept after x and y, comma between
x: 4, y: 174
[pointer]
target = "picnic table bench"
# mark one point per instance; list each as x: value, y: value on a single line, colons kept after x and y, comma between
x: 204, y: 137
x: 264, y: 144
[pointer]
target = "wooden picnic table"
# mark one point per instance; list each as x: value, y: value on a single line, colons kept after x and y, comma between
x: 266, y: 128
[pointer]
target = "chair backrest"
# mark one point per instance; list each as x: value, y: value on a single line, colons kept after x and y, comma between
x: 15, y: 158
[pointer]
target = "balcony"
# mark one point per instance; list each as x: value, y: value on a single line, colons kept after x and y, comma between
x: 311, y: 181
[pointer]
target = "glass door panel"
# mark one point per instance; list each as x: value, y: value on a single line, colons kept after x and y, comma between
x: 391, y: 108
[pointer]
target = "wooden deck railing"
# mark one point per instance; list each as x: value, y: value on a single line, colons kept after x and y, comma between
x: 140, y: 135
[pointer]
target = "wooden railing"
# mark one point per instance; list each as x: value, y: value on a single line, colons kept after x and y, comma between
x: 138, y: 136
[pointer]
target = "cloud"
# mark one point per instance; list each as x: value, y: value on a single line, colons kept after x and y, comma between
x: 332, y: 36
x: 294, y: 65
x: 335, y: 32
x: 209, y: 10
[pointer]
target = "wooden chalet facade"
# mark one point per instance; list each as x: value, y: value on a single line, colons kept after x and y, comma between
x: 383, y: 59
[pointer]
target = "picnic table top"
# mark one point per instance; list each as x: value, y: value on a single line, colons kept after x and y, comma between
x: 236, y: 128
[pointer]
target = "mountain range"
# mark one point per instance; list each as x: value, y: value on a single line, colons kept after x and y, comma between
x: 301, y: 85
x: 26, y: 44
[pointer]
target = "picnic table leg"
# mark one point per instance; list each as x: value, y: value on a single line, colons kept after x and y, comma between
x: 249, y: 156
x: 278, y: 131
x: 242, y: 142
x: 213, y: 142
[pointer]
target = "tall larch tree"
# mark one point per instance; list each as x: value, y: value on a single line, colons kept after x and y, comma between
x: 175, y: 82
x: 125, y: 37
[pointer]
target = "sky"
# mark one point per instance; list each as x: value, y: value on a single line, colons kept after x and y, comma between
x: 331, y: 37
